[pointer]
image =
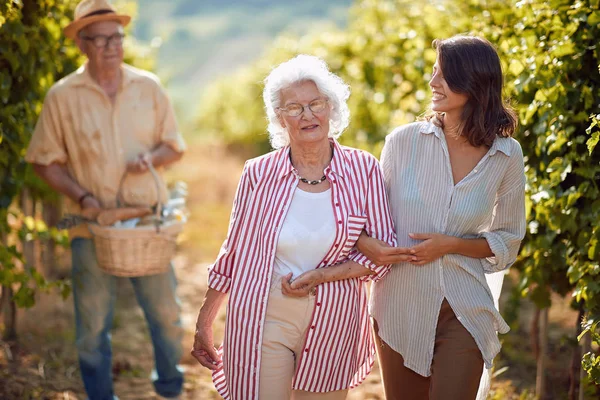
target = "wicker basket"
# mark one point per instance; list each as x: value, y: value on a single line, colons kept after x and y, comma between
x: 138, y: 251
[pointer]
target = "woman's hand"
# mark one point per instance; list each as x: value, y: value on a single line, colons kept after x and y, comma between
x: 302, y: 285
x: 381, y: 253
x: 204, y: 350
x: 432, y: 247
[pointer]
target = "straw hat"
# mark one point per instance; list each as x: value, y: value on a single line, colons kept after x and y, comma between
x: 90, y: 11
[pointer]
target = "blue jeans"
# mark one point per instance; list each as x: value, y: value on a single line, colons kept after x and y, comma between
x: 94, y: 295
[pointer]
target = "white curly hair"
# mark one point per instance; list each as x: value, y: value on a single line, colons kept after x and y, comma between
x: 304, y: 68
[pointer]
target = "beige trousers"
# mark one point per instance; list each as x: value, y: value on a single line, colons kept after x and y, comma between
x: 286, y: 322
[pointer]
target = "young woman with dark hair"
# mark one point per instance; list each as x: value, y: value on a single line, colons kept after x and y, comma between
x: 456, y: 187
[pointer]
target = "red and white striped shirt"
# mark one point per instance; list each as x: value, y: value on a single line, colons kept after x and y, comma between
x: 339, y: 350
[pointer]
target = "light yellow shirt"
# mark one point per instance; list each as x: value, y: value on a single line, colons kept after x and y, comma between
x: 80, y: 127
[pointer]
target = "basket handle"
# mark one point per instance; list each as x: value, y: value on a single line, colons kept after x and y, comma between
x: 159, y: 205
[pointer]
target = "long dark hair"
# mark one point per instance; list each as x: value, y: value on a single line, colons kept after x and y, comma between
x: 471, y: 66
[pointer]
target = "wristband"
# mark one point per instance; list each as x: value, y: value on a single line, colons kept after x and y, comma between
x: 83, y: 197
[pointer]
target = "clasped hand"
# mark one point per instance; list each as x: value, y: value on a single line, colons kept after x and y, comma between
x: 204, y: 350
x: 302, y: 285
x: 432, y: 247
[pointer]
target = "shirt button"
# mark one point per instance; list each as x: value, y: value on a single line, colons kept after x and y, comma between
x: 336, y: 245
x: 337, y: 204
x: 340, y: 222
x: 312, y: 327
x: 306, y: 350
x: 319, y: 304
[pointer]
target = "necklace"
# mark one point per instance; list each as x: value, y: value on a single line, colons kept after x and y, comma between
x: 309, y: 181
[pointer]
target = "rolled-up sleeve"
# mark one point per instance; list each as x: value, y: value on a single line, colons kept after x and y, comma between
x: 220, y: 273
x: 379, y: 223
x: 47, y: 144
x: 168, y: 128
x: 508, y: 220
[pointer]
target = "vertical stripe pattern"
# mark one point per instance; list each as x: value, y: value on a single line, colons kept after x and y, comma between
x: 339, y: 350
x: 488, y: 203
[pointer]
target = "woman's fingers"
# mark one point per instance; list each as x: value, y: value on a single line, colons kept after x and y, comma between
x: 402, y: 258
x: 285, y: 282
x: 206, y: 355
x: 420, y: 236
x: 306, y: 279
x: 287, y: 289
x: 391, y: 255
x: 286, y: 278
x: 402, y: 250
x: 203, y: 349
x: 205, y: 360
x: 212, y: 353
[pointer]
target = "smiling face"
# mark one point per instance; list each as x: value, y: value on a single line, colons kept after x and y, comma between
x: 308, y: 127
x: 107, y: 57
x: 444, y: 100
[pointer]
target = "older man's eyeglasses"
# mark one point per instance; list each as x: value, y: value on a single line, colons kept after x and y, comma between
x: 296, y: 109
x: 103, y: 41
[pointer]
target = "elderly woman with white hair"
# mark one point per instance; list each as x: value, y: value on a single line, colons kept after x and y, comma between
x: 297, y: 325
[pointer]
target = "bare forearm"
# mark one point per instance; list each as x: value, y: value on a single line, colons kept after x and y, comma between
x: 210, y: 307
x: 164, y: 155
x: 475, y: 248
x: 58, y: 178
x: 346, y: 270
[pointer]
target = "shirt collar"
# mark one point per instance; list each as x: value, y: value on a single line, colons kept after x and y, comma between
x: 338, y: 165
x: 500, y: 143
x: 82, y: 76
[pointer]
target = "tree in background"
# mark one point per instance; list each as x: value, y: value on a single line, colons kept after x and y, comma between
x: 34, y: 55
x: 554, y: 60
x: 384, y: 54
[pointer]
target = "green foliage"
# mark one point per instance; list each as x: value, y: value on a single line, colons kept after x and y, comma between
x: 385, y: 55
x: 591, y: 362
x: 33, y: 56
x: 594, y: 131
x: 554, y: 79
x: 200, y: 40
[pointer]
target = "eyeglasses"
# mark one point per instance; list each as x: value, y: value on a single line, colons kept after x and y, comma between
x: 296, y: 109
x: 101, y: 41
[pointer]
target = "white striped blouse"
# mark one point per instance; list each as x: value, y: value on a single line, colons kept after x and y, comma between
x: 488, y: 203
x: 339, y: 349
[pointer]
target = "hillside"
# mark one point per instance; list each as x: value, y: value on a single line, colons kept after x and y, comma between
x: 201, y: 40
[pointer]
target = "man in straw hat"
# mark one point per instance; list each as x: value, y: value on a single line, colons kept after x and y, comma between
x: 105, y: 121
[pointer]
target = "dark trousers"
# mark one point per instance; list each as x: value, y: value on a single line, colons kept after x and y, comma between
x: 455, y: 371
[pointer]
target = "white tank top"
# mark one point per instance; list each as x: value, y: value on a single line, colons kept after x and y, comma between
x: 307, y: 233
